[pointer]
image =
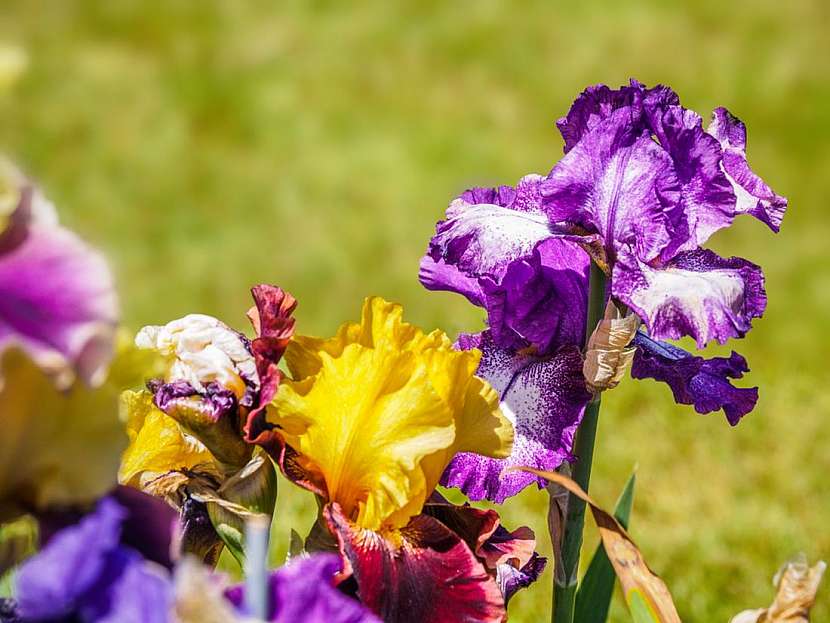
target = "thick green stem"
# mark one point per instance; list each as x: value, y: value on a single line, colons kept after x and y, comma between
x: 565, y: 582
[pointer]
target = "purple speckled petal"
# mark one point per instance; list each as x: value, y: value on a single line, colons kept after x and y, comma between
x: 512, y: 579
x: 303, y: 591
x: 57, y: 301
x: 698, y: 294
x: 541, y: 300
x: 483, y: 238
x: 617, y: 182
x: 543, y: 398
x: 754, y: 196
x: 694, y: 380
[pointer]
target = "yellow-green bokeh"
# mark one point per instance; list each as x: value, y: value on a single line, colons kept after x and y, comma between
x: 207, y: 146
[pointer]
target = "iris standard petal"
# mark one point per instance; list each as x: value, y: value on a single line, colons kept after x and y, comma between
x: 694, y: 380
x: 619, y: 183
x: 754, y: 196
x: 375, y: 413
x: 543, y: 398
x: 698, y: 294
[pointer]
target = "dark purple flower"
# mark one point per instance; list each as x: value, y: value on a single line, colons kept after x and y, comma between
x: 86, y: 573
x: 696, y: 381
x: 304, y: 591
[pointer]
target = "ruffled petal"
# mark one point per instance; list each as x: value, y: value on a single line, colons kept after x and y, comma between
x: 272, y: 320
x: 707, y: 202
x: 483, y: 238
x: 375, y: 413
x: 541, y: 299
x: 698, y: 294
x: 754, y: 196
x: 58, y: 303
x: 617, y: 182
x: 696, y: 381
x: 424, y: 572
x: 595, y: 104
x: 303, y: 591
x: 157, y: 443
x: 543, y: 398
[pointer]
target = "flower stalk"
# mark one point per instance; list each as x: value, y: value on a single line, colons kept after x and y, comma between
x: 565, y: 582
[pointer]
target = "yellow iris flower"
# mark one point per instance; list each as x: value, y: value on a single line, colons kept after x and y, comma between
x: 377, y: 412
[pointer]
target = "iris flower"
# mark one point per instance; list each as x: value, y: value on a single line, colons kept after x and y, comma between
x: 192, y: 430
x: 370, y: 418
x: 58, y: 321
x: 641, y: 187
x: 101, y: 570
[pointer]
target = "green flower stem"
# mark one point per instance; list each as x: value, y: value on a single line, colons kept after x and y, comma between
x: 565, y: 583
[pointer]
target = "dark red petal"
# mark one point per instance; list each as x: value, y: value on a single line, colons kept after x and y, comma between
x: 272, y: 321
x: 484, y: 534
x: 425, y: 572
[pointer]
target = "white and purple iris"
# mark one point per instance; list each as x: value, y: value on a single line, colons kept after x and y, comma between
x: 642, y: 186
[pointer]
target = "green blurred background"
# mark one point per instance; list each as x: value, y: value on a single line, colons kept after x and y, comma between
x: 208, y: 146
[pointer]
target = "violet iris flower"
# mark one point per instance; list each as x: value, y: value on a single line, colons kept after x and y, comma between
x: 641, y: 187
x: 98, y: 571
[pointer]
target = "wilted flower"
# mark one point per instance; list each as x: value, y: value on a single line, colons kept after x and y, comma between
x: 370, y: 419
x: 192, y: 431
x: 58, y: 318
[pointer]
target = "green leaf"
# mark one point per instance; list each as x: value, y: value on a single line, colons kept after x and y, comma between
x: 252, y: 492
x: 594, y: 596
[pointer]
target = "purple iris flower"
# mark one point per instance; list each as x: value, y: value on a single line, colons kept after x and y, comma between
x: 641, y: 187
x: 108, y: 568
x: 57, y: 300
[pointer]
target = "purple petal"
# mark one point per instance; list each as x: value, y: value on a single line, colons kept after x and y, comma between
x: 694, y: 380
x: 57, y: 301
x: 754, y: 196
x: 595, y: 104
x: 131, y: 590
x: 541, y: 299
x: 483, y: 238
x: 617, y: 182
x: 55, y: 581
x: 707, y: 202
x: 698, y: 293
x: 303, y: 591
x: 512, y: 579
x: 543, y: 398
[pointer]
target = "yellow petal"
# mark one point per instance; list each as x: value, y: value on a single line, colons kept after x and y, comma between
x: 157, y: 443
x: 377, y: 412
x: 57, y: 448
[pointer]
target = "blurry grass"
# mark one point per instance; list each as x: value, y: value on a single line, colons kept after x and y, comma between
x: 209, y: 146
